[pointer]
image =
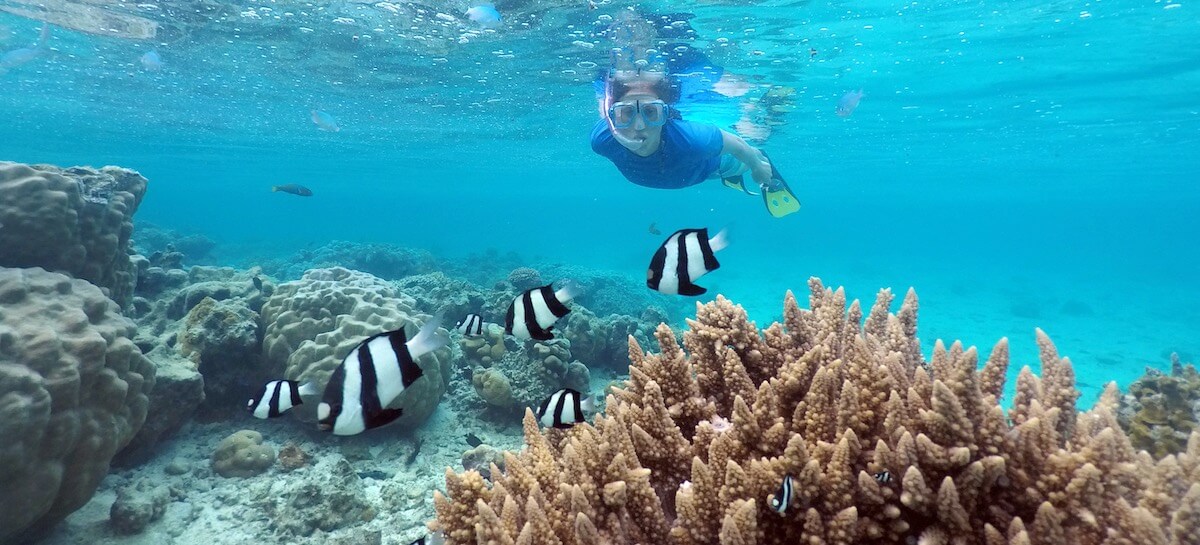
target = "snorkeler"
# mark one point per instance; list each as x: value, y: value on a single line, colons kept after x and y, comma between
x: 653, y: 146
x: 644, y: 134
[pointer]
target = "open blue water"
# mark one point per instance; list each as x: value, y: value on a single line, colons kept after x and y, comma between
x: 1021, y: 164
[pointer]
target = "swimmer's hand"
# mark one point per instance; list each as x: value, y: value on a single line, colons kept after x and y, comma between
x: 761, y: 172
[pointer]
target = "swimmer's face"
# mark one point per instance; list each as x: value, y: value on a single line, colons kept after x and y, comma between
x: 639, y: 137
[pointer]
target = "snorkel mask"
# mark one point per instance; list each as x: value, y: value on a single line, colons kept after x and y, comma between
x: 654, y: 113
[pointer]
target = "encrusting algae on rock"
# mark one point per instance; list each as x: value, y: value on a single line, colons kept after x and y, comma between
x: 882, y: 448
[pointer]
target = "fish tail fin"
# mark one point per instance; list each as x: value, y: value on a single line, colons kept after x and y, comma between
x: 570, y: 290
x: 587, y: 404
x: 720, y: 241
x: 309, y: 389
x: 430, y: 337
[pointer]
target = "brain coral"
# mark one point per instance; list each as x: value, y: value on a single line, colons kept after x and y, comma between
x: 75, y: 220
x: 74, y: 393
x: 312, y: 323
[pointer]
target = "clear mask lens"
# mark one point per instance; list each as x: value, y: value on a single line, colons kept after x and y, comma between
x: 623, y: 114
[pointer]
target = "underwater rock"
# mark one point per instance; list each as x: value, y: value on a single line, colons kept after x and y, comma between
x: 178, y: 392
x: 481, y: 458
x: 526, y: 376
x: 378, y: 259
x: 312, y: 323
x: 242, y: 454
x: 485, y: 348
x: 1161, y: 410
x: 75, y: 391
x: 76, y: 221
x: 149, y: 238
x: 452, y: 296
x: 222, y: 339
x: 292, y: 457
x: 325, y: 500
x: 137, y: 506
x: 525, y: 278
x: 604, y: 342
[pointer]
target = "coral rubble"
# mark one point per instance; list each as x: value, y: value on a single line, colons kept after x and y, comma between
x: 882, y: 447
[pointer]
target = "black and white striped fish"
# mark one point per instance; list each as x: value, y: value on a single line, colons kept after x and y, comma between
x: 563, y: 409
x: 783, y: 498
x: 533, y: 313
x: 372, y: 375
x: 278, y: 397
x: 685, y: 256
x: 883, y: 477
x: 471, y: 325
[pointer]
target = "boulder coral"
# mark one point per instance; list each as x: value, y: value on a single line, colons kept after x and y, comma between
x: 74, y: 393
x: 882, y: 446
x: 76, y: 221
x: 313, y: 323
x: 242, y: 454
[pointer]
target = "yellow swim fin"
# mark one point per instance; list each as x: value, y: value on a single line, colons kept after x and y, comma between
x: 779, y: 198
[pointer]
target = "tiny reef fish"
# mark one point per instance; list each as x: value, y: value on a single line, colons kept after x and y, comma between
x: 563, y: 409
x: 294, y: 189
x: 532, y: 314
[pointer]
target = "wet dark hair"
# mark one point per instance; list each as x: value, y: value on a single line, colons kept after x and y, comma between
x: 666, y: 88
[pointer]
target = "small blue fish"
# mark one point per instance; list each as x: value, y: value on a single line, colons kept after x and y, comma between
x: 294, y: 189
x: 849, y: 102
x: 485, y: 14
x: 324, y: 121
x: 151, y: 61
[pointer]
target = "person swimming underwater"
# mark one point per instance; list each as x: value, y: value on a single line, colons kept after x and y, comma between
x: 653, y: 146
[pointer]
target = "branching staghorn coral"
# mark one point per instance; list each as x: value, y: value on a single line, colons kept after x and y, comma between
x: 694, y: 448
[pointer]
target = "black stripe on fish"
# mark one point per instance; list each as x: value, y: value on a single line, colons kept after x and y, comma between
x: 509, y: 316
x: 883, y: 477
x: 529, y: 318
x: 409, y: 370
x: 556, y: 307
x: 276, y: 393
x: 654, y: 275
x: 374, y: 414
x: 783, y: 497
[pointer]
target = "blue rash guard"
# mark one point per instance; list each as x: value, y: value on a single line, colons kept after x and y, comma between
x: 689, y: 153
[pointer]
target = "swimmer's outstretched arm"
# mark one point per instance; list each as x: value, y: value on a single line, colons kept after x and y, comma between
x: 760, y: 167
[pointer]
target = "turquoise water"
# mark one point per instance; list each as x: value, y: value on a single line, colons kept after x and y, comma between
x: 1021, y: 164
